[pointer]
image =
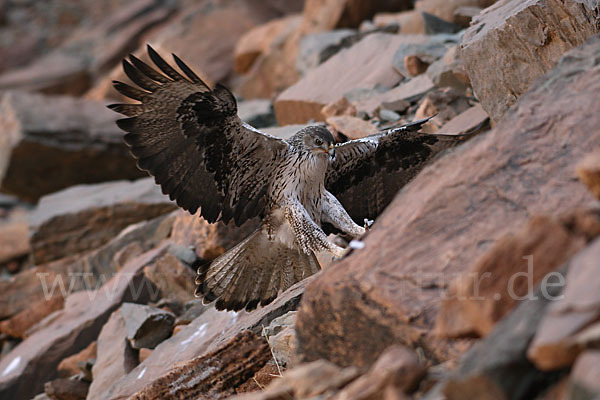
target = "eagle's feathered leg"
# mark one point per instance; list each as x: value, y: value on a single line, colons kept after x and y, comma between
x: 309, y: 235
x: 336, y: 215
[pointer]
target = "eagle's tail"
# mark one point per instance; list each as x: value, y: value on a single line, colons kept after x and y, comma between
x: 253, y: 272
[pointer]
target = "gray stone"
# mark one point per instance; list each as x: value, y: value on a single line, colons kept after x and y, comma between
x: 258, y: 112
x: 146, y: 326
x: 435, y: 25
x: 314, y: 48
x: 428, y: 52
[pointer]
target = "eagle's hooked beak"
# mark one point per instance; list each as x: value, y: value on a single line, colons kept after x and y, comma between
x: 331, y: 152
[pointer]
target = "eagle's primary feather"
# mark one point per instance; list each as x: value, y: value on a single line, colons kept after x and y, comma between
x: 189, y: 137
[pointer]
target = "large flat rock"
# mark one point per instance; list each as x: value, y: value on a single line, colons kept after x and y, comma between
x: 450, y: 215
x: 514, y: 42
x: 48, y: 143
x: 85, y: 217
x: 371, y: 61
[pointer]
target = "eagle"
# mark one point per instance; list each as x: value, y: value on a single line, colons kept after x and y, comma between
x: 189, y: 137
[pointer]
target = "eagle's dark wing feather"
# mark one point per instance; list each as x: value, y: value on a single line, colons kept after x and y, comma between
x: 367, y: 173
x: 191, y: 140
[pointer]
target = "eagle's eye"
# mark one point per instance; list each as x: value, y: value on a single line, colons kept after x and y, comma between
x: 318, y: 142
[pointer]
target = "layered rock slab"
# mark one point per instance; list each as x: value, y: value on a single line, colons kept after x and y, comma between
x: 49, y: 143
x: 513, y: 42
x: 34, y: 361
x: 85, y: 217
x: 371, y: 61
x: 390, y: 291
x: 201, y: 337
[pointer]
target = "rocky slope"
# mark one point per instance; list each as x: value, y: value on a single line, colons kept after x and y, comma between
x: 478, y: 281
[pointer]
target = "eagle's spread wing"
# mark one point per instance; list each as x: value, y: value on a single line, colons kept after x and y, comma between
x: 191, y: 140
x: 367, y: 173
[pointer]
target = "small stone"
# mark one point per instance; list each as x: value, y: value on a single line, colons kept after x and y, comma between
x: 70, y: 366
x: 338, y: 107
x: 414, y: 65
x: 145, y: 353
x: 389, y: 115
x: 67, y: 389
x: 146, y: 326
x: 351, y: 127
x: 588, y: 172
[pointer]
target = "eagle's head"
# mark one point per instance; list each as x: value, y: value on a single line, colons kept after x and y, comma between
x: 317, y: 140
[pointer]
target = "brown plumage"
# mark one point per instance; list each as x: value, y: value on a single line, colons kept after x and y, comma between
x: 189, y: 137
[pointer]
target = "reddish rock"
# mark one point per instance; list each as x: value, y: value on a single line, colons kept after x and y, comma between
x: 390, y: 291
x: 544, y: 29
x: 584, y: 381
x: 31, y: 285
x: 78, y: 272
x: 414, y: 65
x: 555, y: 344
x: 34, y: 361
x: 397, y: 369
x: 145, y: 353
x: 66, y: 389
x: 337, y: 108
x: 371, y: 61
x: 72, y: 68
x: 208, y: 240
x: 214, y: 375
x: 202, y: 336
x: 467, y: 121
x: 68, y: 139
x: 174, y: 279
x: 588, y: 172
x: 508, y: 273
x: 69, y: 366
x: 83, y: 218
x: 351, y: 127
x: 259, y: 40
x: 115, y: 357
x: 18, y: 325
x: 14, y: 237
